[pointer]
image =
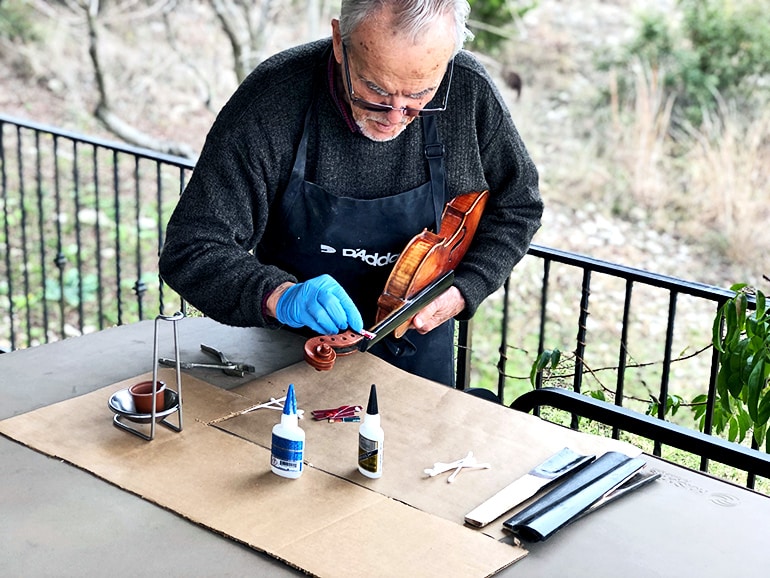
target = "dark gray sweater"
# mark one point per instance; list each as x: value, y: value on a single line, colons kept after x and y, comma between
x: 208, y: 256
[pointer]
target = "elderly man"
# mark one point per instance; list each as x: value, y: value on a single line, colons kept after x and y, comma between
x: 330, y: 157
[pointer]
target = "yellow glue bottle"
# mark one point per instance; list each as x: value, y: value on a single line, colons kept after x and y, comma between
x: 370, y: 439
x: 288, y: 442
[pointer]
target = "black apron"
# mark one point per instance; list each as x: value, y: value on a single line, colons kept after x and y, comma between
x: 357, y: 242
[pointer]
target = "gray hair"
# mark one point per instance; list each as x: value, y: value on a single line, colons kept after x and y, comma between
x: 411, y: 16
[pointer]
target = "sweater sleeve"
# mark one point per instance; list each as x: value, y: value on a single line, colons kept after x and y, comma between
x: 208, y: 254
x: 514, y: 208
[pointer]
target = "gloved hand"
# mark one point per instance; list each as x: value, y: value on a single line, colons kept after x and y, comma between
x: 320, y: 304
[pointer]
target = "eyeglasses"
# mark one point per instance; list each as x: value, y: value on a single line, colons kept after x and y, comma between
x: 405, y: 110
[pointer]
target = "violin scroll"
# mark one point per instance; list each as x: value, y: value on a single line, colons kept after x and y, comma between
x: 322, y: 351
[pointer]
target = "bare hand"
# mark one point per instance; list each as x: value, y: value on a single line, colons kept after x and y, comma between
x: 442, y: 308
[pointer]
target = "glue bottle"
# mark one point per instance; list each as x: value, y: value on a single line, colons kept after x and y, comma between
x: 370, y: 439
x: 288, y: 443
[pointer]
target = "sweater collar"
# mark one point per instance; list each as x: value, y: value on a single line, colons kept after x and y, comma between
x: 340, y: 103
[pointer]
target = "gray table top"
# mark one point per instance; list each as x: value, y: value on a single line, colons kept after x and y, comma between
x: 58, y: 520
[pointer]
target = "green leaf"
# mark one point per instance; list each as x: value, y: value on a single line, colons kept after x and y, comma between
x: 759, y: 435
x: 674, y: 403
x: 762, y: 310
x: 744, y: 423
x: 733, y: 328
x: 755, y: 385
x: 741, y: 304
x: 735, y: 385
x: 543, y: 359
x: 597, y: 394
x: 763, y: 411
x: 699, y: 406
x: 722, y: 391
x: 555, y: 358
x: 716, y: 330
x: 732, y: 433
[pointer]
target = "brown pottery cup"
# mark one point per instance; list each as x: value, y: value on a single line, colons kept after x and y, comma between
x: 142, y: 395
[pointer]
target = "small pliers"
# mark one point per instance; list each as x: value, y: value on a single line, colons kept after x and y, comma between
x: 229, y: 367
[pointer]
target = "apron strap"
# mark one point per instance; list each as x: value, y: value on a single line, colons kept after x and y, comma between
x: 434, y: 153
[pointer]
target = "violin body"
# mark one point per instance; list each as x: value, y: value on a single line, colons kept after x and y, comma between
x: 427, y: 258
x: 429, y: 255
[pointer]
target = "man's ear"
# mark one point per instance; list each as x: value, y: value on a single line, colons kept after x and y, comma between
x: 337, y: 40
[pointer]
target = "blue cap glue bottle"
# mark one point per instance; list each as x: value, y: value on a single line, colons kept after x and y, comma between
x: 288, y: 443
x: 370, y: 439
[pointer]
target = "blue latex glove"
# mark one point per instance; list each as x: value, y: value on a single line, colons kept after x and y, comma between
x: 320, y: 304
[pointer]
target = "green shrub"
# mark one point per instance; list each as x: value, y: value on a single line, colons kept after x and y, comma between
x: 16, y: 21
x: 490, y: 20
x: 719, y: 46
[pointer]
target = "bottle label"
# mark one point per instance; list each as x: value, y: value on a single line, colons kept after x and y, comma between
x: 368, y: 454
x: 286, y: 454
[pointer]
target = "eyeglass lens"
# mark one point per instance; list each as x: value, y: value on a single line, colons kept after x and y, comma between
x: 405, y: 110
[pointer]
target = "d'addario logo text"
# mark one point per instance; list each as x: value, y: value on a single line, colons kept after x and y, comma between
x: 373, y: 259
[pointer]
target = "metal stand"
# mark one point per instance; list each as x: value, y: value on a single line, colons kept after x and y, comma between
x: 122, y: 404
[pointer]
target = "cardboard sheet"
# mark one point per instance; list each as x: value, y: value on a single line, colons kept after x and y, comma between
x: 223, y: 482
x: 424, y: 423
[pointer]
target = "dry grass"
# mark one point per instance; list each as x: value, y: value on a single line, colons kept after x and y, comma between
x: 728, y: 171
x: 707, y: 185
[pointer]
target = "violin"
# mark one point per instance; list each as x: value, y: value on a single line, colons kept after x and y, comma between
x: 423, y: 271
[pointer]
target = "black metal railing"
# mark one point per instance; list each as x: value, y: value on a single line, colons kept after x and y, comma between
x: 83, y: 222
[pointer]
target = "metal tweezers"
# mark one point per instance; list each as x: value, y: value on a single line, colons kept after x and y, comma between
x: 229, y: 367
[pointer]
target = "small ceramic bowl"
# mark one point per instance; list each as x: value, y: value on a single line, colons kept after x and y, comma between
x: 141, y: 393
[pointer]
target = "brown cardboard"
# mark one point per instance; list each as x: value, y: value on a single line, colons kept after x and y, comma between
x: 424, y: 423
x: 321, y: 523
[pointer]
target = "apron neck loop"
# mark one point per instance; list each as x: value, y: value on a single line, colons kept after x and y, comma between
x: 434, y: 154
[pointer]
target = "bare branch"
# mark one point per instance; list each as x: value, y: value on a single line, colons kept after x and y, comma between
x: 136, y: 137
x: 228, y: 21
x: 103, y: 111
x: 202, y: 79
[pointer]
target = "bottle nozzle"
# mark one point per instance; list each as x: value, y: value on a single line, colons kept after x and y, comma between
x: 290, y: 405
x: 371, y: 409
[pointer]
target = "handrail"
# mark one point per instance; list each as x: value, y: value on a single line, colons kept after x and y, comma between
x: 116, y: 146
x: 667, y: 433
x: 668, y: 282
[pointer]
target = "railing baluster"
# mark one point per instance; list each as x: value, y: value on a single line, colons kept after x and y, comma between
x: 580, y: 342
x: 666, y: 370
x: 42, y: 233
x: 623, y: 353
x: 543, y: 316
x: 78, y: 236
x: 7, y: 240
x: 118, y: 253
x: 464, y: 348
x: 159, y: 227
x: 503, y: 349
x: 23, y: 226
x: 60, y: 260
x: 139, y: 286
x: 711, y: 396
x: 98, y: 235
x: 580, y: 346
